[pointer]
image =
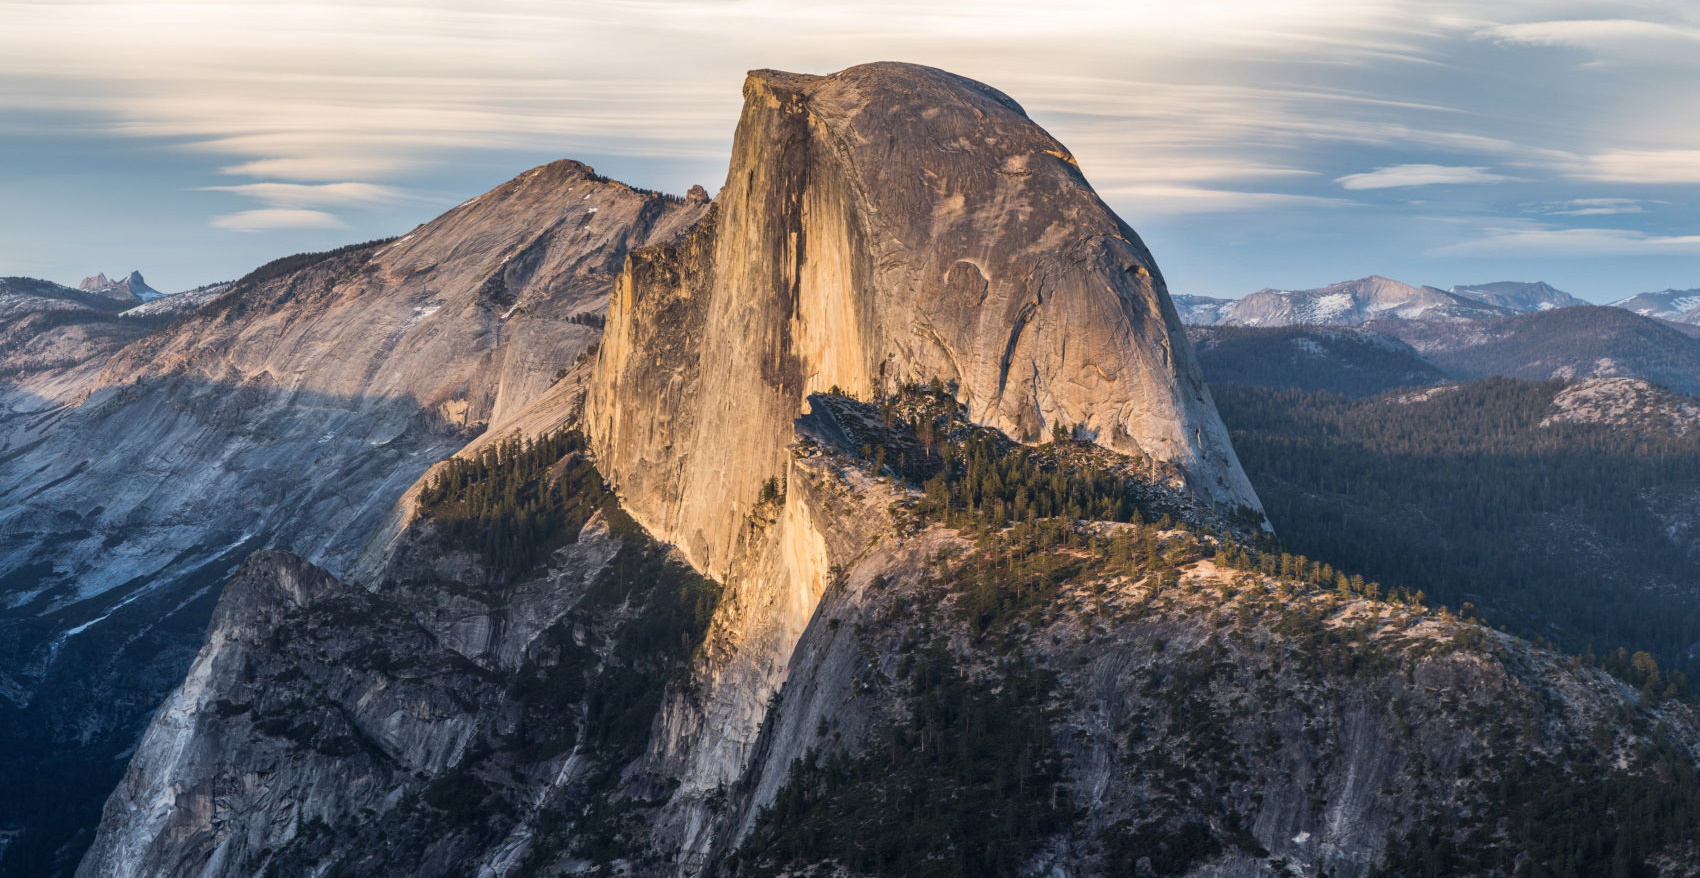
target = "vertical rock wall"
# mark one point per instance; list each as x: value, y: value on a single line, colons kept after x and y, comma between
x: 885, y: 224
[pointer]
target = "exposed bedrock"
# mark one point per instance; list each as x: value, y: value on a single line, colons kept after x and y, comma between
x: 886, y: 224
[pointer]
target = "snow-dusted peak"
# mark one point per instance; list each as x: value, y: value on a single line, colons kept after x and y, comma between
x: 1676, y: 306
x: 131, y: 288
x: 1202, y: 310
x: 1356, y: 302
x: 1518, y: 295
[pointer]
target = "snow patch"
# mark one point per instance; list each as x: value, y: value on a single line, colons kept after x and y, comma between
x: 1331, y: 306
x: 1424, y: 395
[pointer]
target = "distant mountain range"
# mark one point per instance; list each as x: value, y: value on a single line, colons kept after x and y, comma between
x: 1519, y: 296
x: 1676, y: 306
x: 1569, y: 344
x: 1354, y: 362
x: 1376, y: 298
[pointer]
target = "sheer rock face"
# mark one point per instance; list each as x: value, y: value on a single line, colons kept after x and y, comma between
x: 886, y: 224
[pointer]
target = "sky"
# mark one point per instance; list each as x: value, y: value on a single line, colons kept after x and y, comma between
x: 1252, y: 143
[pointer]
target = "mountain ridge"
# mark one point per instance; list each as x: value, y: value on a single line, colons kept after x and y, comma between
x: 1676, y: 306
x: 363, y: 366
x: 1354, y: 302
x: 1519, y: 296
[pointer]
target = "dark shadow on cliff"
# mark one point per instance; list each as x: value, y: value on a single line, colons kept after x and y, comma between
x: 120, y: 519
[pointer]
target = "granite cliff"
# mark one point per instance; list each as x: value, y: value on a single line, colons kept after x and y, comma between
x: 889, y: 224
x: 886, y: 225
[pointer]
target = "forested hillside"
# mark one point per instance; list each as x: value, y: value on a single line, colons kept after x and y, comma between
x: 1356, y: 362
x: 1568, y: 343
x: 1573, y: 532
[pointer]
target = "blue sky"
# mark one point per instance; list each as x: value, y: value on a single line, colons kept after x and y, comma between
x: 1252, y: 143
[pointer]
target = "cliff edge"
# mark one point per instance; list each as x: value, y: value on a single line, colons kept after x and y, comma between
x: 889, y: 224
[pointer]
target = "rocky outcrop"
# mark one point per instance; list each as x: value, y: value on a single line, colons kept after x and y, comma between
x: 317, y: 706
x: 131, y: 290
x: 1625, y: 403
x: 888, y: 224
x: 291, y: 411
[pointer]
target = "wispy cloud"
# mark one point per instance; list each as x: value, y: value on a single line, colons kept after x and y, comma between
x: 1151, y: 200
x: 1652, y: 166
x: 277, y: 218
x: 1553, y: 242
x: 373, y: 91
x: 1592, y: 207
x: 320, y: 167
x: 1403, y: 176
x: 321, y: 195
x: 1607, y: 33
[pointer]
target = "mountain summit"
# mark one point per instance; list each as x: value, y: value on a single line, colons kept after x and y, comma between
x: 1675, y: 306
x: 131, y: 288
x: 885, y: 225
x: 1518, y: 296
